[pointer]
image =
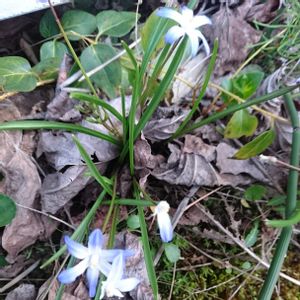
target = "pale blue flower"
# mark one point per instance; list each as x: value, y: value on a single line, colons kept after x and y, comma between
x: 161, y: 211
x: 94, y: 260
x: 115, y: 283
x: 188, y: 24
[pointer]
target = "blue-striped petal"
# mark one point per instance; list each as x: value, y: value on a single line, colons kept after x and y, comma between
x: 95, y: 241
x: 173, y: 34
x: 117, y: 269
x: 92, y: 276
x: 200, y: 21
x: 111, y: 254
x: 187, y: 13
x: 165, y: 227
x: 204, y: 41
x: 194, y: 41
x: 128, y: 284
x: 76, y: 249
x: 70, y: 275
x: 169, y: 13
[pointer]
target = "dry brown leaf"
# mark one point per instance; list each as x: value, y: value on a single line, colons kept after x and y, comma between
x: 191, y: 72
x: 263, y: 12
x: 22, y: 183
x: 59, y: 188
x: 15, y: 267
x: 185, y: 169
x: 227, y: 165
x: 235, y: 36
x: 22, y: 292
x: 164, y: 123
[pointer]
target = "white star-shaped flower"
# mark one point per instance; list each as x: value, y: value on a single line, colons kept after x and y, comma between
x: 187, y: 24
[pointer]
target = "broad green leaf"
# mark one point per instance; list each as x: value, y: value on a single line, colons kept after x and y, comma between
x: 115, y: 23
x: 241, y: 124
x: 48, y: 26
x: 53, y: 49
x: 251, y: 237
x: 108, y: 78
x: 228, y: 86
x: 7, y: 210
x: 172, y: 252
x: 256, y: 146
x: 246, y: 265
x: 80, y: 22
x: 255, y: 192
x: 16, y: 74
x: 133, y: 222
x: 48, y: 68
x: 247, y: 83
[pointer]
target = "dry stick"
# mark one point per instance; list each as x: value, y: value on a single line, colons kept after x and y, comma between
x: 252, y: 271
x: 242, y: 245
x: 173, y: 282
x: 19, y: 277
x: 47, y: 215
x: 183, y: 206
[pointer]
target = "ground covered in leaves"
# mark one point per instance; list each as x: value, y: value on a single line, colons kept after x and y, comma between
x: 220, y: 197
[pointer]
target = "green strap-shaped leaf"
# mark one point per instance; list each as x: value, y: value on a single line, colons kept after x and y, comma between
x: 241, y: 124
x: 7, y: 210
x: 80, y: 22
x: 256, y: 146
x: 16, y: 74
x: 115, y: 23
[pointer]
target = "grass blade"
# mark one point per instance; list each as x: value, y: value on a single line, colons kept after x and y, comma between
x: 97, y: 101
x: 36, y: 124
x: 92, y: 167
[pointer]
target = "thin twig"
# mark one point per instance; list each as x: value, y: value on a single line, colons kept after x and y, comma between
x: 243, y: 246
x: 19, y: 277
x: 173, y: 282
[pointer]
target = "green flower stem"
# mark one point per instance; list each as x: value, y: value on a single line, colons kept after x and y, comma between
x: 72, y: 50
x: 232, y: 109
x: 291, y: 203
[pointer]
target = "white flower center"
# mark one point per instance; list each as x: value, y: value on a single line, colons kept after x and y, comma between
x: 94, y: 261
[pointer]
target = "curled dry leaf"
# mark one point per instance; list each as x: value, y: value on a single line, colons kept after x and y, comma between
x: 227, y: 165
x: 263, y: 12
x: 164, y: 123
x: 191, y: 72
x: 21, y: 182
x: 23, y: 291
x: 235, y: 36
x: 15, y: 266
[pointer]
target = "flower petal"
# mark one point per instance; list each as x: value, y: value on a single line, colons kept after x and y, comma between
x: 173, y: 34
x: 95, y: 241
x: 104, y: 266
x: 92, y: 275
x: 117, y: 269
x: 193, y: 38
x: 169, y: 13
x: 128, y: 284
x: 76, y: 249
x: 111, y: 254
x: 200, y: 21
x: 69, y: 275
x: 165, y: 227
x: 204, y: 41
x: 187, y: 13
